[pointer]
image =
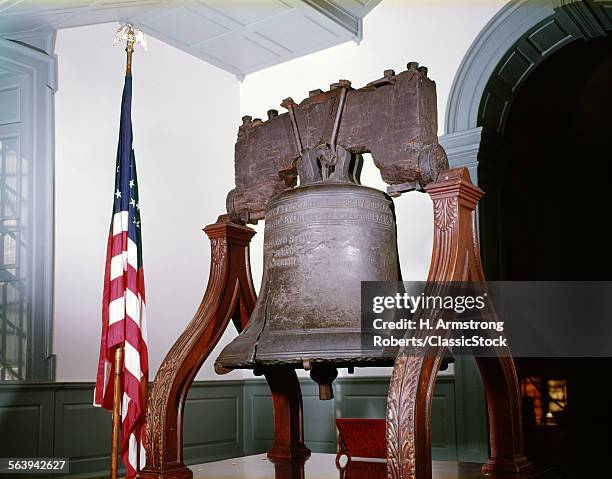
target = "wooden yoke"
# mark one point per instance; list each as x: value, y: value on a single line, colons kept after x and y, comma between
x: 229, y: 295
x: 455, y: 257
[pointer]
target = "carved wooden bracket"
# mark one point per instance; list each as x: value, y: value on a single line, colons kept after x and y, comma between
x: 229, y: 295
x: 455, y: 257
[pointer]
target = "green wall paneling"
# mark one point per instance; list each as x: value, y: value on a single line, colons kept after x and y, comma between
x: 443, y: 430
x: 229, y: 418
x: 258, y: 417
x: 59, y: 420
x: 213, y: 425
x: 26, y: 420
x: 353, y: 397
x: 471, y: 412
x: 319, y: 422
x: 82, y: 431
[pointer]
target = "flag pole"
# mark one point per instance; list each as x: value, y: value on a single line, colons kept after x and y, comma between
x: 129, y: 49
x: 116, y: 411
x: 115, y: 450
x: 132, y: 36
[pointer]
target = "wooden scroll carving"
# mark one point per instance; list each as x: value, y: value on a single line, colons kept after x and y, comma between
x: 455, y: 257
x: 229, y: 295
x: 394, y: 118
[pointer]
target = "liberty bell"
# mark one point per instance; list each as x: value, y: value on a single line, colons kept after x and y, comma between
x: 321, y: 239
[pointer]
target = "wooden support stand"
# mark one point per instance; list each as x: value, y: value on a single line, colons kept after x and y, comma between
x: 455, y: 257
x: 229, y: 295
x: 288, y: 420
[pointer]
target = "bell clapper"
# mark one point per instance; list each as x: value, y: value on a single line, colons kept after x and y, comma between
x: 324, y: 375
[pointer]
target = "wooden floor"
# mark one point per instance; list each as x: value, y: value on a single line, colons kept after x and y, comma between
x: 322, y: 466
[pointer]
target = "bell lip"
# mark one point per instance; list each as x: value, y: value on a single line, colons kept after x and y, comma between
x: 296, y: 363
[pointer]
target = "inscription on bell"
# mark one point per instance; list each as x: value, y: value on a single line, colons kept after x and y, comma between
x: 283, y: 261
x: 330, y: 216
x: 332, y: 201
x: 285, y: 249
x: 293, y: 239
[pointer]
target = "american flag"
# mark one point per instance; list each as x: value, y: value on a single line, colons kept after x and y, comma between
x: 123, y: 303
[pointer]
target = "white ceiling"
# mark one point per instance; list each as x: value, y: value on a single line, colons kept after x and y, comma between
x: 240, y: 36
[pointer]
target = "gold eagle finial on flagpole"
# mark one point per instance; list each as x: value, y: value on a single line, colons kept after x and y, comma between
x: 132, y: 36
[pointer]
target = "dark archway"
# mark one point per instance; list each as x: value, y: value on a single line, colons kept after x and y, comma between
x: 548, y: 177
x: 554, y: 181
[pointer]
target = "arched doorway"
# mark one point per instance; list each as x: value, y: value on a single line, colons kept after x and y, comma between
x: 547, y: 212
x: 530, y: 114
x: 553, y: 187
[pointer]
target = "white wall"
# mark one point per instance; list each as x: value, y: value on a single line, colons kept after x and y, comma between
x: 185, y: 117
